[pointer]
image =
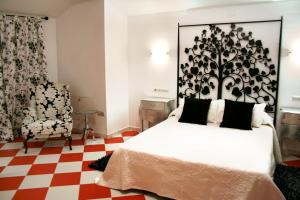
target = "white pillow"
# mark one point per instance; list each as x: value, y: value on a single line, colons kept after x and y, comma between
x: 216, y: 111
x: 258, y: 115
x: 178, y: 111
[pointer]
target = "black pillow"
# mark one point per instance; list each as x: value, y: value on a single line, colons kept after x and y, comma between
x: 195, y: 111
x: 237, y: 115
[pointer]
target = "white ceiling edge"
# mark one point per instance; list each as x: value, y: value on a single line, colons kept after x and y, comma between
x: 54, y: 8
x: 144, y: 7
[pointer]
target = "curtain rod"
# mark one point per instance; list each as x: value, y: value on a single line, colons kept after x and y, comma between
x: 12, y: 15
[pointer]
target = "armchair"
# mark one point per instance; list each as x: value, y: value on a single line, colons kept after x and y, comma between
x: 49, y: 112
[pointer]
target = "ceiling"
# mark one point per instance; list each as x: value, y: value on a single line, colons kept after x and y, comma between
x: 51, y: 8
x: 54, y: 8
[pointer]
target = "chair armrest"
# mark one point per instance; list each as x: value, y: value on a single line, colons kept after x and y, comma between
x: 29, y: 115
x: 68, y: 109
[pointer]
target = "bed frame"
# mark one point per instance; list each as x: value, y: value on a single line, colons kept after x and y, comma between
x: 229, y: 64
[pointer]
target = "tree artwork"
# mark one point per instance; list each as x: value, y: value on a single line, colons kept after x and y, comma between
x: 231, y: 60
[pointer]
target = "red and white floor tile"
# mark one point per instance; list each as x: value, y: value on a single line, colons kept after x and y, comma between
x: 51, y: 171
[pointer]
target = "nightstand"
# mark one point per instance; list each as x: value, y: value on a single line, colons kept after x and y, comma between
x: 290, y: 131
x: 154, y: 110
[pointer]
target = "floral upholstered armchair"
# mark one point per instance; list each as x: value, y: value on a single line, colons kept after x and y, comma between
x: 49, y: 112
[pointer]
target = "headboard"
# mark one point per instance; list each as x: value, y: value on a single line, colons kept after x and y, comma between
x: 238, y: 61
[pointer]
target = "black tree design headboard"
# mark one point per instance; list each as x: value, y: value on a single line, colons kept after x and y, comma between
x: 227, y: 61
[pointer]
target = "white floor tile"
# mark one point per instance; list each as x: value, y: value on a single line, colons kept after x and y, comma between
x: 54, y: 143
x: 36, y: 181
x: 88, y: 177
x: 116, y: 135
x: 13, y: 145
x: 68, y: 167
x: 30, y: 152
x: 63, y: 192
x: 5, y: 160
x: 93, y: 155
x: 112, y: 147
x: 126, y: 138
x: 75, y: 149
x: 7, y: 195
x: 16, y: 170
x: 96, y: 141
x: 53, y: 158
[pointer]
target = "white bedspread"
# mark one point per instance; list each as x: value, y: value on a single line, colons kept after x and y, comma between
x: 189, y: 161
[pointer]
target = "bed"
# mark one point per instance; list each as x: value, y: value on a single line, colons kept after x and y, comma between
x: 192, y: 161
x: 189, y: 161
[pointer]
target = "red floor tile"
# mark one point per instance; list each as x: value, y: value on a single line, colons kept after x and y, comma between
x: 71, y: 157
x: 1, y: 169
x: 8, y: 153
x: 85, y: 166
x: 129, y: 133
x: 113, y: 140
x: 10, y: 183
x: 42, y: 169
x: 37, y: 144
x: 75, y: 143
x: 22, y: 160
x: 1, y: 145
x: 93, y: 191
x: 66, y: 179
x: 134, y: 197
x: 51, y: 150
x: 90, y: 148
x: 32, y: 194
x: 294, y: 163
x: 20, y: 139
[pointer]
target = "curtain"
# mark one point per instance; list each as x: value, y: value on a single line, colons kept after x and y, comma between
x: 22, y: 65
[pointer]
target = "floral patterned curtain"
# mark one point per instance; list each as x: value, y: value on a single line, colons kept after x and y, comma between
x: 22, y: 65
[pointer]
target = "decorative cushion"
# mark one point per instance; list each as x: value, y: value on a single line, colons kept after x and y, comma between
x: 237, y: 115
x: 195, y: 111
x: 49, y: 100
x: 47, y: 127
x: 258, y: 115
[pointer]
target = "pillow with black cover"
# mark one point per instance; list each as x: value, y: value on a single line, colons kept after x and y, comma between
x: 195, y: 111
x: 237, y: 115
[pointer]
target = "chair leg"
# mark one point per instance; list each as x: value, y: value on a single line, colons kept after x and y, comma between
x: 70, y: 142
x: 25, y: 144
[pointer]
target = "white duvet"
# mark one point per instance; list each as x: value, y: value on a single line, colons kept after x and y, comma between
x: 190, y: 161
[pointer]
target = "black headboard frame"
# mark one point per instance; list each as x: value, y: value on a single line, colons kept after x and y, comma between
x: 232, y: 61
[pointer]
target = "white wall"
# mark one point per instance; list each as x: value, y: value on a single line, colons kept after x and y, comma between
x: 144, y: 31
x: 81, y: 57
x: 116, y: 68
x: 50, y: 48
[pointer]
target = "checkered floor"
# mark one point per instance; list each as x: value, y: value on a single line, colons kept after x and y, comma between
x: 51, y: 171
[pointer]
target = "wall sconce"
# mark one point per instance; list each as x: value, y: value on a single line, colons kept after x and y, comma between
x: 160, y: 52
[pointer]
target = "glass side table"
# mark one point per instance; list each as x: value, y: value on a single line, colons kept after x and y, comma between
x: 87, y: 128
